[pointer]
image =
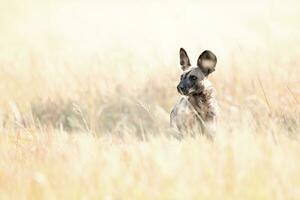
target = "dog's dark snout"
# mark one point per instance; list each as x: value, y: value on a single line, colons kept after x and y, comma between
x: 180, y: 88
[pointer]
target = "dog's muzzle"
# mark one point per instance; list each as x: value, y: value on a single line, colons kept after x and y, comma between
x: 182, y: 90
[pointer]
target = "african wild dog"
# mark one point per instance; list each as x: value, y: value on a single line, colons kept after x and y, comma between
x: 198, y: 107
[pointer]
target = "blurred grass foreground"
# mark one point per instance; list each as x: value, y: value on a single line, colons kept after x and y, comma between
x: 87, y: 87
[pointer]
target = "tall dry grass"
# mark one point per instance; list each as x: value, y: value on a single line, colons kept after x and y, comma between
x: 87, y: 87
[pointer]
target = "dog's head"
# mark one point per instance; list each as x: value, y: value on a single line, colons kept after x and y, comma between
x: 192, y: 78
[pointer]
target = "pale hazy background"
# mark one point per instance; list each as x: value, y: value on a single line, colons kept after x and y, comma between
x: 151, y: 29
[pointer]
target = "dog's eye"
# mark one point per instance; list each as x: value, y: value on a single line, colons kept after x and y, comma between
x: 193, y: 78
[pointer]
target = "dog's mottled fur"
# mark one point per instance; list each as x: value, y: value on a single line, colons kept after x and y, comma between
x: 197, y: 109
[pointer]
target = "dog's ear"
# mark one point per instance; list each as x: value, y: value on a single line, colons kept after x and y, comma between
x: 184, y: 59
x: 207, y: 62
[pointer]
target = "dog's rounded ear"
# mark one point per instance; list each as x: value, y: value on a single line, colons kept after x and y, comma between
x: 207, y: 62
x: 184, y: 59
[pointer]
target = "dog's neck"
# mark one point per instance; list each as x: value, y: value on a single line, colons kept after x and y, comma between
x: 202, y: 99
